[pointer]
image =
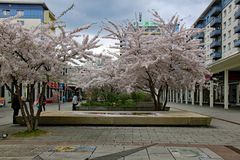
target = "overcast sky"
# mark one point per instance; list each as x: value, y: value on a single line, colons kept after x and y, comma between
x: 95, y: 11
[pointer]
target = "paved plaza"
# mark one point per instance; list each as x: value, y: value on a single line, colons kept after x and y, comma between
x: 95, y: 141
x: 231, y: 115
x: 109, y: 152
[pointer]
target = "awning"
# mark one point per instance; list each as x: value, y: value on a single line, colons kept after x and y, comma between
x: 227, y: 63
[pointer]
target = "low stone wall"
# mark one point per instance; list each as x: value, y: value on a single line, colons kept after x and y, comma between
x: 136, y: 118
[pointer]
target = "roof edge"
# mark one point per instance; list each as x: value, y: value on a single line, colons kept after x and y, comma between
x: 40, y: 2
x: 205, y: 11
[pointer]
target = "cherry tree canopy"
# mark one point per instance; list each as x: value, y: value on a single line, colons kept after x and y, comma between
x: 157, y: 61
x: 29, y: 56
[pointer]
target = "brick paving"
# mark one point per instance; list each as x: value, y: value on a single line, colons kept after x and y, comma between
x: 115, y: 139
x: 219, y: 133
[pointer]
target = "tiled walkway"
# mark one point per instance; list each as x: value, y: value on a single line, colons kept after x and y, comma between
x: 108, y: 140
x: 119, y: 152
x: 232, y: 115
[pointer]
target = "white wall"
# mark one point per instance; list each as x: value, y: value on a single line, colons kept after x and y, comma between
x: 228, y: 13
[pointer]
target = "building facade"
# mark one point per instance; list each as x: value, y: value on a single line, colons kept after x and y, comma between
x: 33, y: 13
x: 221, y: 39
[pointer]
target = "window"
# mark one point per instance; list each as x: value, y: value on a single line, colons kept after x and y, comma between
x: 6, y: 12
x: 20, y: 22
x: 20, y: 12
x: 229, y: 8
x: 224, y: 36
x: 229, y: 33
x: 224, y: 48
x: 229, y: 46
x: 224, y: 25
x: 229, y: 21
x: 225, y: 13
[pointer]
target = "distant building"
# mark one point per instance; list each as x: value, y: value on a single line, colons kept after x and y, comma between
x: 221, y: 39
x: 34, y: 12
x: 149, y: 26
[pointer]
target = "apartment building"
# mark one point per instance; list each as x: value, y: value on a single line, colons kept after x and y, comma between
x: 220, y: 22
x: 34, y: 13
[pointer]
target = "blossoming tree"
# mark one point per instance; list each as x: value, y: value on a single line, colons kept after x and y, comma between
x: 31, y: 56
x: 156, y: 61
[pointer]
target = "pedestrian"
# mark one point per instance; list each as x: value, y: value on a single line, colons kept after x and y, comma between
x: 44, y: 103
x: 63, y: 99
x: 15, y: 107
x: 74, y: 102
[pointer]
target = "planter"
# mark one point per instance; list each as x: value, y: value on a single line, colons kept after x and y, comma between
x: 122, y: 118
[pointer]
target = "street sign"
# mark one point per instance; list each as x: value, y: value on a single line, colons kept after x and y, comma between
x: 61, y: 86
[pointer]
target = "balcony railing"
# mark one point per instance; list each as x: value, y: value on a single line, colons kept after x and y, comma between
x: 216, y: 55
x: 215, y: 33
x: 215, y: 44
x: 237, y: 29
x: 216, y: 11
x: 237, y: 14
x: 237, y: 43
x: 237, y: 2
x: 200, y: 35
x: 216, y: 22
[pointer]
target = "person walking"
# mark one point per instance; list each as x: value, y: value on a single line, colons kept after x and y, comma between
x: 44, y: 103
x: 74, y: 102
x: 15, y: 107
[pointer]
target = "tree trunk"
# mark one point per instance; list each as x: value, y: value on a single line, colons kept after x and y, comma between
x: 166, y: 99
x: 159, y: 105
x: 156, y: 100
x: 24, y: 111
x: 41, y: 101
x: 27, y: 111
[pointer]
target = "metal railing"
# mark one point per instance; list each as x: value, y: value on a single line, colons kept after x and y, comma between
x: 215, y: 33
x: 216, y: 22
x: 215, y: 44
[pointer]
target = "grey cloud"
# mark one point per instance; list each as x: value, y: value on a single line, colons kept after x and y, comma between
x: 95, y: 11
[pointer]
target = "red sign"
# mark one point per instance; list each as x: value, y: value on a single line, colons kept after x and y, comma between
x: 53, y: 85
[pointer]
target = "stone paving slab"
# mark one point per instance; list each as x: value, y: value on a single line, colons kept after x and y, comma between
x: 14, y: 158
x: 152, y: 153
x: 167, y: 152
x: 231, y: 115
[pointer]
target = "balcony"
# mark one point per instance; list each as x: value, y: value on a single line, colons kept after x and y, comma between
x: 216, y: 11
x: 216, y: 22
x: 200, y: 35
x: 216, y: 55
x: 215, y: 33
x: 237, y: 14
x: 215, y: 44
x: 237, y: 29
x: 237, y: 43
x: 237, y: 2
